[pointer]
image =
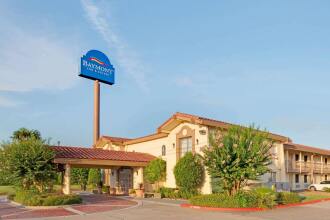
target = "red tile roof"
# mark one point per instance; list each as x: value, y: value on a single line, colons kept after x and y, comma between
x: 99, y: 154
x: 116, y: 139
x: 300, y: 147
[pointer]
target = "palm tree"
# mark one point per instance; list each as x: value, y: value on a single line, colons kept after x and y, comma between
x: 24, y: 134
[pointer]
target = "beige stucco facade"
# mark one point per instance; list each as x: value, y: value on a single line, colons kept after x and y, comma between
x: 283, y: 170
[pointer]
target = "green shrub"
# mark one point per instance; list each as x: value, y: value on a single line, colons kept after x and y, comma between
x: 189, y: 173
x: 33, y: 198
x: 187, y: 194
x: 155, y: 171
x: 171, y: 193
x: 55, y: 200
x: 284, y: 198
x: 250, y: 199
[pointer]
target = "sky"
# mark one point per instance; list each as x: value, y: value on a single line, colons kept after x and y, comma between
x: 244, y: 62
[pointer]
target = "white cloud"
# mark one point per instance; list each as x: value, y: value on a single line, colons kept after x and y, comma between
x: 31, y: 60
x: 5, y: 102
x: 126, y: 58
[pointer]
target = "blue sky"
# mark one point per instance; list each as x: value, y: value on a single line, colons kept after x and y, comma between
x: 262, y: 62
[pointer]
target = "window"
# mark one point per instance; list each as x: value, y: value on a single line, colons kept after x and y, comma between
x: 297, y: 157
x: 325, y: 177
x: 326, y: 160
x: 305, y: 158
x: 297, y: 178
x: 186, y: 145
x: 163, y: 150
x: 305, y: 178
x: 325, y: 182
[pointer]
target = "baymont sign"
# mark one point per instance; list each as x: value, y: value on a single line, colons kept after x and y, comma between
x: 96, y: 65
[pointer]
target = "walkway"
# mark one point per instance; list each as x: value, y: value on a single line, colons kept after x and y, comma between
x: 91, y: 204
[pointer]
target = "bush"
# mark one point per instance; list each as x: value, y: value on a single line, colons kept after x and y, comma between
x: 155, y: 171
x: 250, y: 199
x: 189, y: 173
x: 33, y: 198
x: 61, y: 200
x: 171, y: 193
x: 284, y: 198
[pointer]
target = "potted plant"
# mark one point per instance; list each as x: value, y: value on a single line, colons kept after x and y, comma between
x: 140, y: 191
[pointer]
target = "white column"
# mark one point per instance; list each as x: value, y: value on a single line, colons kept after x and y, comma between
x: 66, y: 180
x: 300, y: 161
x: 137, y: 177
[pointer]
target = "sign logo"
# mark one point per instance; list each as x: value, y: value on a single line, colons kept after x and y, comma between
x: 95, y: 65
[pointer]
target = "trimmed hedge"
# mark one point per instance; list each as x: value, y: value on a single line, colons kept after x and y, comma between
x: 239, y: 200
x: 258, y: 198
x: 32, y: 198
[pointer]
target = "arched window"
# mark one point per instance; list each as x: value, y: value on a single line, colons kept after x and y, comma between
x: 163, y: 150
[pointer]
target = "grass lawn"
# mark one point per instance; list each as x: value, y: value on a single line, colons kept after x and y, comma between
x: 309, y: 196
x: 4, y: 190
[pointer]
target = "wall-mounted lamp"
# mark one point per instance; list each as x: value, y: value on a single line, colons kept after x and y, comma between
x: 173, y: 145
x: 197, y: 141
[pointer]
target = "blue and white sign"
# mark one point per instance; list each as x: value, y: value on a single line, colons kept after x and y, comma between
x: 95, y: 65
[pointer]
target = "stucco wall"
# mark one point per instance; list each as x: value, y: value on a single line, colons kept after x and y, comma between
x: 154, y: 147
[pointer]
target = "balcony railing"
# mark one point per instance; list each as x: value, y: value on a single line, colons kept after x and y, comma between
x: 307, y: 167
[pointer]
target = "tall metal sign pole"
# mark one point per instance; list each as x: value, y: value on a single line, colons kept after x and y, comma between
x: 96, y: 111
x: 96, y: 66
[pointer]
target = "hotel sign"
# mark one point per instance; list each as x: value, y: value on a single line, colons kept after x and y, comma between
x: 95, y: 65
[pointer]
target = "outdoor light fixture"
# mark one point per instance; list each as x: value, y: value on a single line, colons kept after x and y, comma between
x: 173, y: 145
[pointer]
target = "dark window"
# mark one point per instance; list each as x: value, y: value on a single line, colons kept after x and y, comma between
x: 305, y: 158
x: 325, y: 182
x: 305, y: 178
x: 297, y: 157
x: 326, y: 160
x: 163, y: 150
x: 325, y: 177
x: 297, y: 178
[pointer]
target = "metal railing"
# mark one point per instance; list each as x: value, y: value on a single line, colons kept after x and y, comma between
x: 307, y: 167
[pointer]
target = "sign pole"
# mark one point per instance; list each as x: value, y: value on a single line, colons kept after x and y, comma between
x: 96, y: 111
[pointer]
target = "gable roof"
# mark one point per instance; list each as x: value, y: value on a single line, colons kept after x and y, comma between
x: 304, y: 148
x: 99, y: 154
x: 179, y: 117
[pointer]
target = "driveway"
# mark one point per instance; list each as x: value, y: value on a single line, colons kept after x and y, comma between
x: 152, y: 211
x: 91, y: 204
x: 164, y: 210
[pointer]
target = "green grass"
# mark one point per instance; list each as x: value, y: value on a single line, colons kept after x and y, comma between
x: 310, y: 196
x: 5, y: 190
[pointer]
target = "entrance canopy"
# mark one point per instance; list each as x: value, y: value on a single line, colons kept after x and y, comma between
x: 94, y: 157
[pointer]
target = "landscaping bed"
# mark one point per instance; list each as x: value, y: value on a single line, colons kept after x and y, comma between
x: 32, y: 198
x: 255, y: 200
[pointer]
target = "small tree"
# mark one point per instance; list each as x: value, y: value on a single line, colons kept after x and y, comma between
x: 239, y: 155
x: 189, y: 173
x: 94, y: 177
x: 155, y: 172
x: 80, y: 176
x: 28, y: 163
